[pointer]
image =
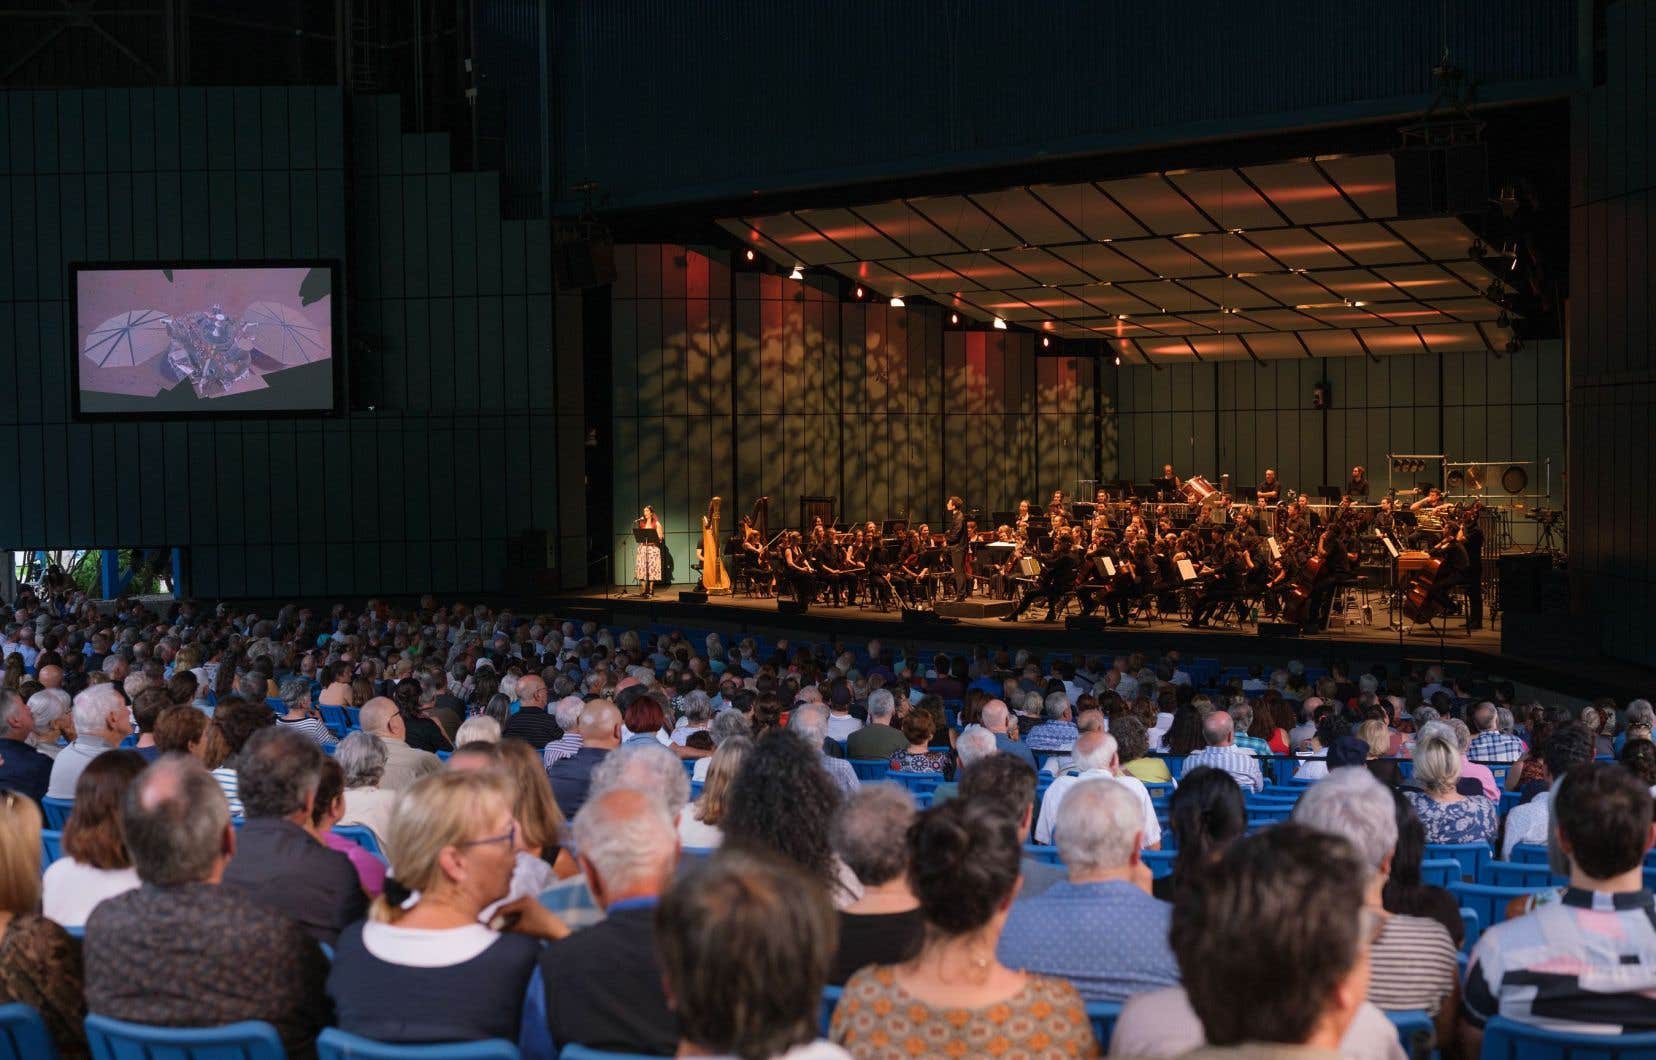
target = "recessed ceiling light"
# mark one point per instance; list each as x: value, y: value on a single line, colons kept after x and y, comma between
x: 896, y: 302
x: 1000, y: 325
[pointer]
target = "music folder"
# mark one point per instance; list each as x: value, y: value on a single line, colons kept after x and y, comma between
x: 1391, y: 548
x: 1276, y: 549
x: 1109, y: 566
x: 645, y: 536
x: 1187, y: 570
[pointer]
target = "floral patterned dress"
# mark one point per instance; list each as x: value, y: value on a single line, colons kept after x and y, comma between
x: 1471, y: 820
x: 877, y: 1019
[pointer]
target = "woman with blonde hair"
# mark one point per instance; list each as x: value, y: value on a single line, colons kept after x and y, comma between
x: 423, y: 967
x: 1446, y: 814
x: 540, y: 819
x: 40, y: 965
x: 1378, y: 737
x: 698, y: 825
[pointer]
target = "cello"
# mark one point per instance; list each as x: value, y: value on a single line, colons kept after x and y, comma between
x: 715, y: 580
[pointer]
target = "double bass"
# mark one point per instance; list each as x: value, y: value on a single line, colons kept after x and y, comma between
x: 715, y: 579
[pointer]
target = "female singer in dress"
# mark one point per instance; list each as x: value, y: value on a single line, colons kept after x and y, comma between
x: 647, y: 558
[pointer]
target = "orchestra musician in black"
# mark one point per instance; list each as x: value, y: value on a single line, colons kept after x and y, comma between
x: 1057, y: 577
x: 1472, y: 540
x: 1338, y: 560
x: 1357, y: 486
x: 1224, y: 576
x: 1270, y: 489
x: 958, y: 540
x: 1456, y: 564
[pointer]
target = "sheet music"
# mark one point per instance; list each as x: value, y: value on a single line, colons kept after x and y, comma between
x: 1276, y: 549
x: 1390, y: 547
x: 1187, y: 570
x: 1109, y: 566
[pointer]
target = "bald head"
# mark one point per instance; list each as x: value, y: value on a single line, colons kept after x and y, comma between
x: 1217, y: 729
x: 378, y: 715
x: 1094, y: 750
x: 50, y: 676
x: 531, y: 692
x: 600, y: 724
x: 995, y: 717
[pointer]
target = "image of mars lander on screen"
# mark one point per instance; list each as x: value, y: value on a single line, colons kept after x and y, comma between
x: 144, y: 351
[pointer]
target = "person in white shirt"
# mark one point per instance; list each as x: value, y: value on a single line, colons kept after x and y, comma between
x: 840, y: 722
x: 1568, y: 746
x: 1095, y: 755
x: 95, y: 864
x: 102, y: 721
x: 698, y: 825
x: 698, y: 715
x: 726, y: 723
x: 362, y: 756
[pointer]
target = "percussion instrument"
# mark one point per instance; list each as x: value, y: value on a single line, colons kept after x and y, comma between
x: 1412, y: 560
x: 1197, y: 490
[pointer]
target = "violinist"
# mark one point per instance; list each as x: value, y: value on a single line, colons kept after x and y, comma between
x: 1057, y: 509
x: 1224, y: 576
x: 796, y: 569
x: 1057, y: 577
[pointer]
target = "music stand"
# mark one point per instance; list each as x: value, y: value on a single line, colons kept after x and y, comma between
x: 1147, y: 491
x: 1331, y: 494
x: 1248, y: 494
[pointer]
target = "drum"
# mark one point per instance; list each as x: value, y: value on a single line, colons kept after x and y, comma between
x: 1196, y: 489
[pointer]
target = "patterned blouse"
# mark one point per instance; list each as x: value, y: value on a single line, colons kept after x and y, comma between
x: 40, y: 966
x: 877, y: 1019
x: 930, y: 762
x: 1471, y: 820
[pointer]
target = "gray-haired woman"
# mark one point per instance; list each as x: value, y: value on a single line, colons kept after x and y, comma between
x: 301, y: 716
x: 362, y: 756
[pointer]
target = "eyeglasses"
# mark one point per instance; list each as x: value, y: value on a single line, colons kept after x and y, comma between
x: 509, y: 837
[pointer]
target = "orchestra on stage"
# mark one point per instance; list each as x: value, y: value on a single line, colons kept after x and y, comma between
x: 1175, y: 549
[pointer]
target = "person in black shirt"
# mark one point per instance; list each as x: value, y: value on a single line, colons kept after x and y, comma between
x: 1357, y: 486
x: 957, y: 539
x: 885, y: 925
x: 532, y: 723
x: 1057, y: 577
x: 1270, y: 490
x: 1226, y: 576
x: 1472, y: 538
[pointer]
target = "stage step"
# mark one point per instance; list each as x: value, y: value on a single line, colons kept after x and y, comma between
x: 974, y: 608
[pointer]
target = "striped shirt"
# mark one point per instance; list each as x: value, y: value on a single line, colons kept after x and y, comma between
x: 1239, y: 764
x: 226, y: 777
x: 564, y: 746
x: 1586, y: 963
x: 1413, y: 964
x: 313, y: 728
x: 1253, y: 744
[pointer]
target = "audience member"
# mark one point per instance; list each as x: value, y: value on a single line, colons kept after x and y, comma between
x: 1220, y: 752
x: 1489, y: 743
x: 181, y: 728
x: 22, y: 768
x: 329, y: 805
x: 954, y: 995
x: 234, y: 722
x: 1006, y: 783
x: 300, y: 716
x: 1094, y: 757
x: 840, y: 701
x: 995, y: 717
x: 404, y: 763
x: 744, y: 943
x: 1056, y: 732
x: 40, y: 965
x: 278, y: 862
x: 885, y: 925
x: 878, y: 740
x: 1567, y: 746
x: 1133, y: 747
x: 532, y: 724
x: 1405, y: 891
x: 182, y: 951
x: 918, y: 756
x: 480, y: 729
x: 102, y: 721
x: 147, y: 706
x: 53, y: 721
x: 567, y: 713
x: 363, y: 757
x: 1447, y: 815
x: 95, y: 864
x: 1475, y: 776
x: 1101, y: 929
x: 602, y: 986
x: 600, y: 729
x: 540, y: 822
x: 782, y: 802
x: 1206, y: 814
x: 422, y: 968
x: 809, y: 721
x: 1566, y: 965
x: 699, y: 824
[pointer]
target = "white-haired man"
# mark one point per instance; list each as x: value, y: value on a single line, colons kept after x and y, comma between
x: 1413, y: 958
x: 974, y: 743
x: 102, y: 721
x: 1096, y: 757
x: 1100, y: 929
x: 810, y: 721
x: 878, y: 740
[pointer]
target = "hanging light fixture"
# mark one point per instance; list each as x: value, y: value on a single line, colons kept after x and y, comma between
x: 1000, y: 325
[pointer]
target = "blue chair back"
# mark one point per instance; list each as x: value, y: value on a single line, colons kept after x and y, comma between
x: 361, y: 836
x: 56, y: 811
x: 698, y: 852
x: 582, y: 1052
x: 870, y: 768
x: 1470, y: 856
x: 1159, y: 789
x: 23, y: 1034
x: 335, y: 1044
x: 51, y: 846
x: 1160, y: 862
x: 1103, y: 1015
x: 1474, y: 927
x: 1509, y: 799
x: 1415, y: 1032
x: 336, y: 719
x: 1261, y: 815
x: 1505, y: 1039
x: 1519, y: 874
x: 1038, y: 852
x: 113, y: 1039
x: 830, y: 1001
x: 1490, y: 903
x: 1529, y: 853
x: 918, y: 783
x: 1439, y: 872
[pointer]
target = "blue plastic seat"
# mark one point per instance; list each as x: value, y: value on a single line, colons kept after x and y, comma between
x: 1474, y: 927
x: 1042, y: 853
x: 1159, y: 789
x: 1160, y: 862
x: 113, y: 1039
x: 1103, y: 1015
x: 830, y: 1001
x: 917, y: 783
x: 1509, y: 799
x: 1519, y: 874
x: 335, y: 1044
x: 1439, y: 872
x: 1529, y: 853
x: 582, y: 1052
x: 1490, y: 903
x: 698, y: 852
x: 51, y: 846
x: 1415, y: 1032
x: 1505, y: 1039
x: 870, y: 768
x: 23, y: 1034
x: 336, y: 719
x: 56, y: 811
x: 1470, y: 855
x: 361, y: 835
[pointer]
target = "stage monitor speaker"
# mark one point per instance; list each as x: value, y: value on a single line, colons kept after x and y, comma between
x: 1086, y: 624
x: 1523, y: 581
x: 692, y: 596
x: 1279, y: 629
x: 1441, y: 180
x: 581, y: 263
x: 791, y: 607
x: 916, y: 616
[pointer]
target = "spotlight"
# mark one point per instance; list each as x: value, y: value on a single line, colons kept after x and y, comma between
x: 1000, y: 325
x: 1118, y: 360
x: 1123, y: 316
x: 860, y: 293
x: 1046, y: 343
x: 896, y: 302
x: 954, y: 318
x: 797, y: 273
x: 748, y: 254
x: 1476, y: 250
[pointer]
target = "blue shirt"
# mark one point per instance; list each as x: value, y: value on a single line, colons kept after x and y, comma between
x: 1241, y: 765
x: 1108, y: 938
x: 1005, y: 743
x: 1053, y: 736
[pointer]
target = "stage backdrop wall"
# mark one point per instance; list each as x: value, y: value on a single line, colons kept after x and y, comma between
x: 451, y: 440
x: 749, y: 385
x: 1240, y: 417
x: 1613, y: 340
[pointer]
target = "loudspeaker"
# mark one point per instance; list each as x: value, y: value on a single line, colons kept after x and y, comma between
x: 791, y: 607
x: 1279, y: 629
x: 692, y: 596
x: 581, y: 263
x: 914, y: 616
x: 1086, y: 624
x: 1523, y: 581
x: 1440, y: 180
